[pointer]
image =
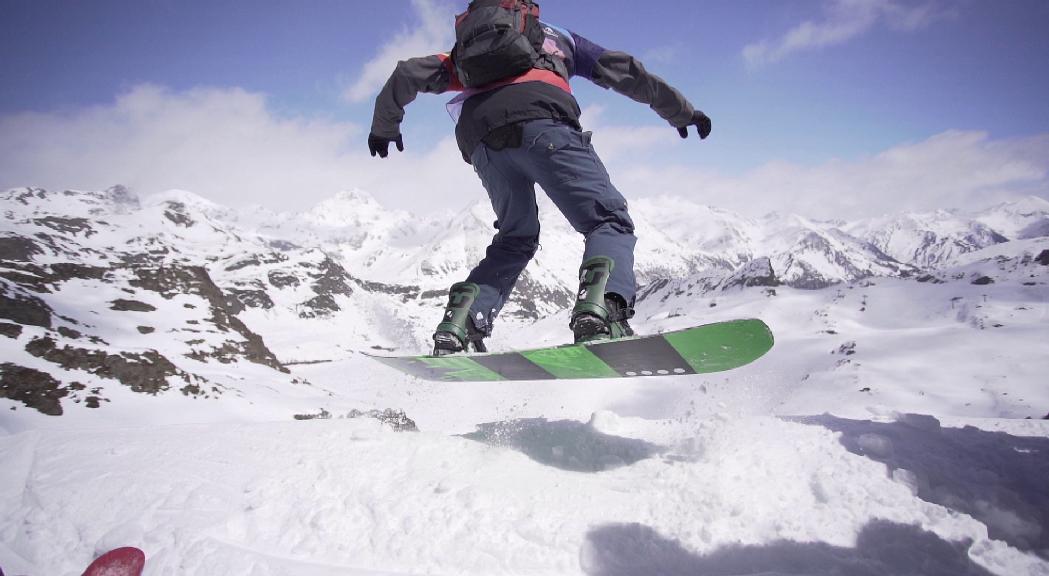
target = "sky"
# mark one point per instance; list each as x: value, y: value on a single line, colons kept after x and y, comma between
x: 827, y: 108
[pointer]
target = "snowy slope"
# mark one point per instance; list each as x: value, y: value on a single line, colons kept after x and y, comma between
x: 179, y: 338
x: 613, y: 495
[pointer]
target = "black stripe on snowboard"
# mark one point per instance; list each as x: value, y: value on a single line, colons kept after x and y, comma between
x: 643, y: 357
x: 513, y: 366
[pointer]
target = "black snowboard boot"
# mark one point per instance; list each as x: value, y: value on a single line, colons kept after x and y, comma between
x: 598, y: 315
x: 458, y: 332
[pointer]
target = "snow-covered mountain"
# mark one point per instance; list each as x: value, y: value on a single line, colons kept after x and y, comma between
x: 185, y: 377
x: 927, y: 240
x: 158, y: 293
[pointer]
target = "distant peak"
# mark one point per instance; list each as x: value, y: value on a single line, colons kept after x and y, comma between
x: 183, y: 197
x: 1026, y: 204
x: 355, y: 195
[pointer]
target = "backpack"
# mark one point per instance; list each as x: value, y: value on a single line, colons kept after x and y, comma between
x: 496, y: 39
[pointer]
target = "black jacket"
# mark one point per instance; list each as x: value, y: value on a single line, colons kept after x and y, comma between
x: 567, y: 53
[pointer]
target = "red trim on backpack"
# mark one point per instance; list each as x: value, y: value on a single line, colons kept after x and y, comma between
x: 534, y: 75
x: 454, y: 84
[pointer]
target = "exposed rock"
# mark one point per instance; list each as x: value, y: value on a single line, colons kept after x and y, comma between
x: 318, y: 307
x: 528, y: 294
x: 65, y: 271
x: 146, y: 329
x: 757, y: 272
x: 228, y: 352
x: 66, y: 225
x: 10, y: 330
x: 69, y: 333
x: 251, y: 298
x: 28, y: 276
x: 406, y: 293
x: 282, y: 280
x: 27, y: 195
x: 322, y: 415
x: 331, y: 280
x: 430, y: 294
x: 282, y: 245
x: 18, y: 249
x: 144, y: 372
x: 176, y: 212
x: 1043, y: 258
x: 36, y: 389
x: 122, y: 199
x: 846, y: 349
x: 174, y: 279
x: 983, y: 281
x: 122, y: 305
x: 240, y: 264
x: 24, y: 309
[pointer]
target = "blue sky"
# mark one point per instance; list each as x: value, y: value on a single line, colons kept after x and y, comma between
x: 802, y: 93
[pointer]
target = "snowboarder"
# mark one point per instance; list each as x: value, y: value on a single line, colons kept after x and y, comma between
x: 517, y: 123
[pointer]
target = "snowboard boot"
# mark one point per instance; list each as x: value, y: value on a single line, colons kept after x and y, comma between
x: 598, y: 315
x: 458, y: 332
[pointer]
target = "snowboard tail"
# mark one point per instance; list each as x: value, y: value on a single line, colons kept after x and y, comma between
x: 698, y: 350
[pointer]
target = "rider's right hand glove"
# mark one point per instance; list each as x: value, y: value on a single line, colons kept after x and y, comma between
x: 381, y: 146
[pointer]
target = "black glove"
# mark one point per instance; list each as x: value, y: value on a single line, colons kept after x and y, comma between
x: 381, y: 146
x: 702, y: 123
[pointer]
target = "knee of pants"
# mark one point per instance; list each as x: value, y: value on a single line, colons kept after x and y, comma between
x: 606, y: 212
x: 524, y: 246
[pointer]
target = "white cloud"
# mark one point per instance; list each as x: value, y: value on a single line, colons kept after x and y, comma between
x: 434, y: 33
x: 622, y: 143
x: 662, y: 54
x: 231, y: 147
x: 225, y: 144
x: 842, y: 21
x: 954, y: 169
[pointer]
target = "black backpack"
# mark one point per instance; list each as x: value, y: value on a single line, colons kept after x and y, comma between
x: 496, y: 39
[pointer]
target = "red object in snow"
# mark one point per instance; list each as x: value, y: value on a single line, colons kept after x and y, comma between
x: 120, y: 562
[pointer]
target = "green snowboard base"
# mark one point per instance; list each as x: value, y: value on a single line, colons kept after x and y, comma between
x: 698, y: 350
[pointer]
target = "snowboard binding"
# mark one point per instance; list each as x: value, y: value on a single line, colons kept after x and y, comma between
x: 458, y: 332
x: 598, y: 315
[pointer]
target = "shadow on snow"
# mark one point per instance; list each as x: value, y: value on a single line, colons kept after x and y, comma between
x: 565, y: 444
x: 882, y: 548
x: 997, y: 478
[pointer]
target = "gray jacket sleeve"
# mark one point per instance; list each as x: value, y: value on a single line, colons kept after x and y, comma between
x: 428, y: 74
x: 626, y: 75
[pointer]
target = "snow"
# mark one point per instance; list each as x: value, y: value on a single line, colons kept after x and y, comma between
x: 540, y: 497
x: 895, y: 427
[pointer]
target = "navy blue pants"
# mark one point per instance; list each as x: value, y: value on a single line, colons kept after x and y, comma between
x: 561, y: 160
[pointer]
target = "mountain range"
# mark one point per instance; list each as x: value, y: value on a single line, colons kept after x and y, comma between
x: 158, y: 294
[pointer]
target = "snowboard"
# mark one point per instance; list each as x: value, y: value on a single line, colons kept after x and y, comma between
x: 698, y: 350
x: 119, y: 562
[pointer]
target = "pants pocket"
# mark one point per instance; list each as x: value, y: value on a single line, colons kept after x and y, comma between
x: 565, y: 153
